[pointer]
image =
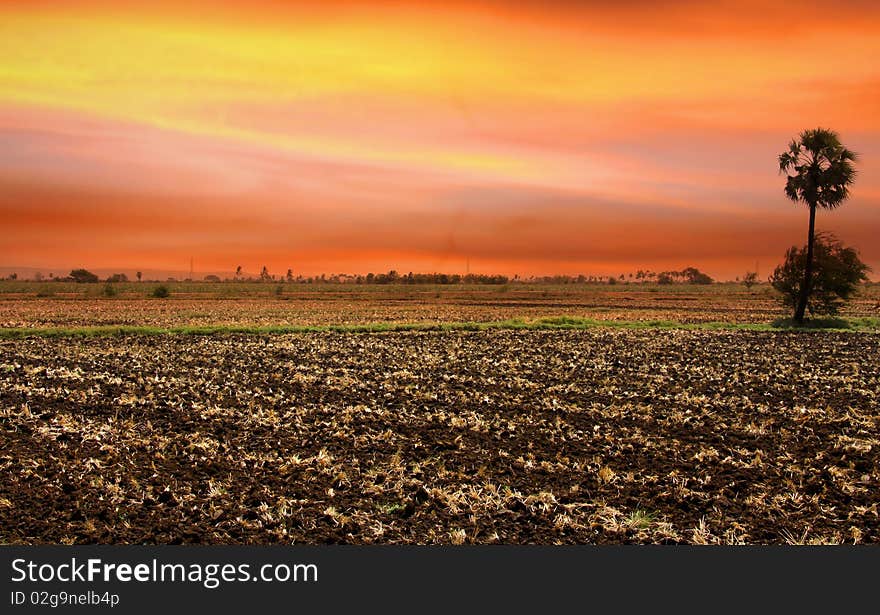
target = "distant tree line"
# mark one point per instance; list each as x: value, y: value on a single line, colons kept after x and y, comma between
x: 391, y: 277
x: 688, y: 275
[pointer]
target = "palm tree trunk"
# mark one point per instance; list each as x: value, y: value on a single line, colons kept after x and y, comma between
x: 808, y: 270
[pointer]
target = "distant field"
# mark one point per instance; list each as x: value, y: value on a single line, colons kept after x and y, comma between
x: 395, y: 414
x: 30, y: 304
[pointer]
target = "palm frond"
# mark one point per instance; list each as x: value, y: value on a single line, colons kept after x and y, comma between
x: 819, y: 169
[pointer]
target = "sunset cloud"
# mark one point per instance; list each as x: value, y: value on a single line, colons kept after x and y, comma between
x: 526, y: 137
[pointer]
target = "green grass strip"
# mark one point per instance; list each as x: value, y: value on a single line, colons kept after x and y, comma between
x: 557, y: 322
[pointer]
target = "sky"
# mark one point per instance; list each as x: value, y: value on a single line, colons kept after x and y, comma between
x: 528, y: 138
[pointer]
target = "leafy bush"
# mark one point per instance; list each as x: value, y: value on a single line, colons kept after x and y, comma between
x: 837, y: 272
x: 83, y: 276
x: 692, y: 275
x: 161, y: 292
x: 109, y: 290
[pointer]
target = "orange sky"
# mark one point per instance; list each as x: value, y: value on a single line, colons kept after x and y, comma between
x: 529, y: 137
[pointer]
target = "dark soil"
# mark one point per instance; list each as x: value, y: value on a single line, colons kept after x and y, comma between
x: 545, y: 437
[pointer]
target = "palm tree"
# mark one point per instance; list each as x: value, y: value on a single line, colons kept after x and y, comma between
x: 819, y: 172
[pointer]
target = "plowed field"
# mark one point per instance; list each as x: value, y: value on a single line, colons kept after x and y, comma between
x: 578, y: 436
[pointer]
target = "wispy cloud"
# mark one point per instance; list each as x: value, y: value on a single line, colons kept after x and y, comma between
x: 534, y: 137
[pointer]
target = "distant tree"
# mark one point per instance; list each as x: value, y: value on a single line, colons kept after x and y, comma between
x: 82, y: 276
x: 289, y: 275
x: 161, y: 292
x: 750, y: 279
x: 264, y: 275
x: 117, y: 278
x: 212, y: 278
x: 819, y: 171
x: 238, y: 272
x: 664, y: 278
x: 837, y: 272
x: 612, y: 280
x: 692, y: 275
x: 139, y: 275
x: 13, y: 276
